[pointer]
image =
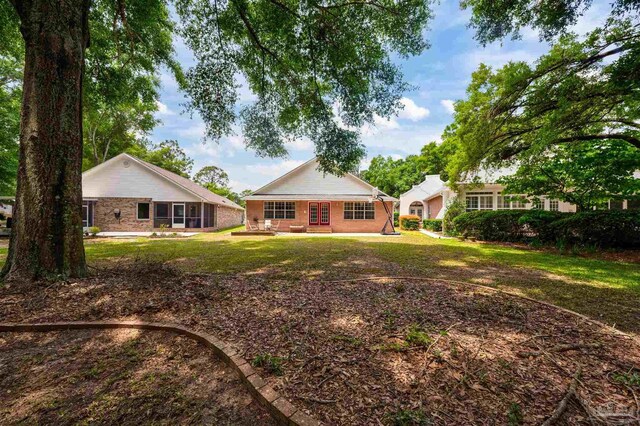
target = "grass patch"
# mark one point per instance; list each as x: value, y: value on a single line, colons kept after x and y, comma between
x: 354, y: 341
x: 408, y: 418
x: 416, y: 336
x: 630, y: 378
x: 269, y: 363
x: 598, y: 285
x: 514, y: 415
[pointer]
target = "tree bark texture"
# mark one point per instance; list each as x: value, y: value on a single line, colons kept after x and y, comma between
x: 46, y: 239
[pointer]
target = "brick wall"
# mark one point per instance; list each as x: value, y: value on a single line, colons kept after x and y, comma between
x: 228, y: 217
x: 255, y: 210
x: 105, y: 219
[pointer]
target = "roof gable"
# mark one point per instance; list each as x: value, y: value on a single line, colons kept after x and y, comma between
x: 127, y: 176
x: 308, y: 180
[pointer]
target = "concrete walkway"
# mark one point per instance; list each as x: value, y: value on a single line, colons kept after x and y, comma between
x: 141, y: 234
x: 434, y: 234
x: 335, y: 234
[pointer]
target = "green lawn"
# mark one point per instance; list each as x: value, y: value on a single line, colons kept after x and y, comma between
x: 603, y: 289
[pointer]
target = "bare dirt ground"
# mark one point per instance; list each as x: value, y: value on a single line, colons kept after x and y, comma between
x: 376, y: 351
x: 124, y: 377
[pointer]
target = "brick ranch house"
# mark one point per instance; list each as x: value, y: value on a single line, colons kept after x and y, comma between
x: 311, y: 201
x: 126, y: 194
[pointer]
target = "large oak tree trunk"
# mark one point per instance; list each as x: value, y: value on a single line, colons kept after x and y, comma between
x: 46, y: 240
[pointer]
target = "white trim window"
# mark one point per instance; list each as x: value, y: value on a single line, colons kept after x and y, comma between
x: 479, y: 201
x: 85, y: 215
x: 359, y: 211
x: 554, y: 205
x: 279, y: 210
x: 519, y: 204
x: 504, y: 202
x: 143, y: 211
x: 537, y: 204
x: 616, y: 204
x: 512, y: 202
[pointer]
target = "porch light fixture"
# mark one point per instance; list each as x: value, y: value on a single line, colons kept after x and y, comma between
x: 116, y: 213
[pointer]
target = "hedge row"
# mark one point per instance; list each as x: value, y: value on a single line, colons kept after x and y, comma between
x: 605, y: 228
x: 432, y: 224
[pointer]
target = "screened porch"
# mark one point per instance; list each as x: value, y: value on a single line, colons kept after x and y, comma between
x: 183, y: 215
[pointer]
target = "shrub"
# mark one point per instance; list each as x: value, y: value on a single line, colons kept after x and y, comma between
x: 432, y: 224
x: 455, y: 207
x: 94, y: 230
x: 409, y: 222
x: 604, y: 228
x: 536, y: 223
x: 491, y: 225
x: 395, y: 218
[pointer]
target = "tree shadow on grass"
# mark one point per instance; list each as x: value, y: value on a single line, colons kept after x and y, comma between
x: 126, y: 377
x: 363, y: 348
x: 604, y: 290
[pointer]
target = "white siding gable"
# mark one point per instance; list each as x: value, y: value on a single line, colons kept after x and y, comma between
x: 308, y: 180
x: 113, y: 179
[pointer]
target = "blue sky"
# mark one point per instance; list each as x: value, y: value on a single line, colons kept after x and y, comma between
x: 440, y: 75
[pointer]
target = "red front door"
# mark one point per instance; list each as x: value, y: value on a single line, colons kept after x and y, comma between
x: 319, y: 213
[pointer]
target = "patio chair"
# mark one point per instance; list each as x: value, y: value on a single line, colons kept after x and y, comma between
x: 252, y: 227
x: 276, y: 226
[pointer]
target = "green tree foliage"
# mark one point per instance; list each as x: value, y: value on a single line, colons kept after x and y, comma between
x: 571, y: 94
x: 395, y: 177
x: 216, y: 180
x: 167, y: 154
x: 585, y: 174
x: 301, y: 59
x: 11, y: 62
x: 582, y: 98
x: 121, y: 82
x: 130, y: 42
x: 211, y: 175
x: 496, y: 19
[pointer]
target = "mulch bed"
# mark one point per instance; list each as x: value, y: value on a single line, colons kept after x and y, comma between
x: 375, y: 352
x: 124, y: 377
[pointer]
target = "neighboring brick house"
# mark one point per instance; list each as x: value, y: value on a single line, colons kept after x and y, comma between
x: 312, y: 201
x: 127, y: 194
x: 430, y: 198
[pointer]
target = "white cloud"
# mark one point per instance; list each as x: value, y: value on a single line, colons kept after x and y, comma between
x: 201, y: 151
x: 235, y: 142
x: 496, y: 56
x: 303, y: 144
x: 239, y: 186
x: 412, y: 111
x: 404, y: 141
x: 245, y: 95
x: 164, y: 109
x: 196, y: 131
x: 448, y: 104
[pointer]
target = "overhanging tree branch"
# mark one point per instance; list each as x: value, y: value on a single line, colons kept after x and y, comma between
x: 604, y: 136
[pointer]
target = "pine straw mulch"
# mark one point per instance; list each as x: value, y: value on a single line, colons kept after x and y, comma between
x: 123, y: 377
x: 378, y: 351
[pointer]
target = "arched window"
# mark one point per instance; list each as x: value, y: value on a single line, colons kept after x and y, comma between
x: 417, y: 208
